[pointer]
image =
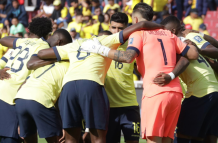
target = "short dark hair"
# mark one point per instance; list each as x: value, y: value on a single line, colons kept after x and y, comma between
x: 40, y: 26
x: 106, y: 32
x: 79, y: 13
x: 145, y: 10
x: 76, y: 1
x: 165, y: 13
x: 96, y: 1
x: 66, y: 35
x: 20, y: 34
x: 119, y: 18
x: 3, y: 2
x: 101, y: 18
x: 170, y: 19
x: 97, y: 7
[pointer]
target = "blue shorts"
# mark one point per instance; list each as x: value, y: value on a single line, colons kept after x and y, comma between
x: 199, y: 116
x: 34, y: 117
x: 84, y: 99
x: 126, y: 119
x: 8, y: 120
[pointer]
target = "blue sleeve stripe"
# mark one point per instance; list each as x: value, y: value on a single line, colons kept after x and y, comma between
x: 205, y: 45
x: 4, y: 59
x: 14, y: 43
x: 28, y: 77
x: 135, y: 49
x: 34, y: 55
x: 57, y: 54
x: 121, y: 37
x: 46, y: 70
x: 185, y: 50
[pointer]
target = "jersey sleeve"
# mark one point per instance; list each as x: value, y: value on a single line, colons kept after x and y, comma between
x: 135, y: 42
x: 3, y: 62
x: 181, y: 47
x: 61, y: 52
x: 198, y: 40
x: 40, y: 48
x: 112, y: 41
x: 16, y: 42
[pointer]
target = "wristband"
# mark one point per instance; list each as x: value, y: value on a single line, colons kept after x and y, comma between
x: 87, y: 130
x: 172, y: 75
x: 104, y: 51
x: 202, y: 34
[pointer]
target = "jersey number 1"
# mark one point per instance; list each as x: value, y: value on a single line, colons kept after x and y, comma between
x: 163, y: 51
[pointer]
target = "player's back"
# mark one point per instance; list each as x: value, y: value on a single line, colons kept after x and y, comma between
x: 87, y: 66
x: 24, y: 49
x: 158, y: 54
x: 44, y: 84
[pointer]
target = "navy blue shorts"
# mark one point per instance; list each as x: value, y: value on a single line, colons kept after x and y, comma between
x: 126, y: 119
x: 199, y: 116
x: 8, y: 120
x: 84, y: 99
x: 34, y: 117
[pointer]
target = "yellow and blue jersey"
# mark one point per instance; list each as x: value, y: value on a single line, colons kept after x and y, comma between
x: 4, y: 59
x: 24, y: 48
x: 119, y: 83
x: 87, y: 66
x: 199, y: 76
x: 44, y: 84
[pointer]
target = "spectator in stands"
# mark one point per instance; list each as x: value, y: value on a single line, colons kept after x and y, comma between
x: 26, y: 35
x: 16, y: 27
x: 96, y: 4
x: 180, y: 8
x: 203, y: 29
x: 19, y: 12
x: 188, y: 26
x: 193, y: 19
x: 74, y: 6
x: 128, y: 11
x: 200, y: 5
x: 54, y: 27
x: 74, y: 34
x: 112, y: 11
x: 4, y: 32
x: 97, y: 13
x: 157, y: 5
x: 86, y: 9
x: 213, y: 4
x: 77, y: 24
x: 46, y: 9
x: 112, y: 6
x: 59, y: 14
x: 4, y: 10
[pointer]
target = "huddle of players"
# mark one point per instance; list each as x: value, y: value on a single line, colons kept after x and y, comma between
x: 83, y: 95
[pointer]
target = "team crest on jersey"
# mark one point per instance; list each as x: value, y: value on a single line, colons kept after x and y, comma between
x: 198, y: 39
x: 131, y: 41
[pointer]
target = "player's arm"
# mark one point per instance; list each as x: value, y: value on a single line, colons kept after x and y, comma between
x: 47, y: 54
x: 163, y: 79
x: 35, y: 62
x: 211, y: 40
x: 144, y: 25
x: 8, y: 41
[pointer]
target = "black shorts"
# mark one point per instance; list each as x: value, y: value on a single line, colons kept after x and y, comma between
x: 34, y: 117
x: 84, y: 99
x: 199, y: 116
x: 126, y: 119
x: 8, y: 120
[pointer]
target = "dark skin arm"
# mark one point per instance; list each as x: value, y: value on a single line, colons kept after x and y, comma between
x: 211, y: 40
x: 4, y: 74
x: 7, y: 41
x: 213, y: 64
x: 35, y: 62
x: 144, y: 25
x: 163, y: 79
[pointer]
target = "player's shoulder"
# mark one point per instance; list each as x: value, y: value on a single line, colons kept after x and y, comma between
x: 63, y: 64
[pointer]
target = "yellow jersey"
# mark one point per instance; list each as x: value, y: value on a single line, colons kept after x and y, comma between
x: 87, y: 30
x: 78, y: 27
x: 158, y: 5
x: 119, y: 83
x: 129, y: 10
x: 108, y: 6
x: 4, y: 59
x: 24, y: 49
x: 3, y: 50
x: 44, y: 84
x: 64, y: 12
x: 105, y: 26
x: 199, y: 76
x: 86, y: 11
x: 135, y: 2
x: 195, y: 23
x: 87, y: 66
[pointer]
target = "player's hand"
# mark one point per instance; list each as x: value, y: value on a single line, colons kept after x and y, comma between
x: 4, y: 74
x: 86, y: 137
x: 162, y: 79
x: 62, y: 139
x: 92, y: 46
x: 18, y: 130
